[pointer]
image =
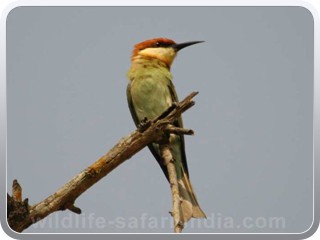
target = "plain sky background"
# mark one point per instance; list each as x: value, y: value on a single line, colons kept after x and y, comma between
x: 252, y: 152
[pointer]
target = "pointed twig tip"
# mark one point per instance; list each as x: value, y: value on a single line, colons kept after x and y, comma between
x: 73, y: 208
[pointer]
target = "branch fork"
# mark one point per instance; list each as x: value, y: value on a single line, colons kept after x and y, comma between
x: 21, y: 215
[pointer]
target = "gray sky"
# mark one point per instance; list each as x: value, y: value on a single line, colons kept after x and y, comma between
x: 251, y: 156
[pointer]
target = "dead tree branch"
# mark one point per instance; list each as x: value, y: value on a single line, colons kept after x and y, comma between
x: 173, y: 180
x: 20, y: 215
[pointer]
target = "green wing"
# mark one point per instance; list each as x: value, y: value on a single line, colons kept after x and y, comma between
x: 179, y: 123
x: 131, y: 107
x: 154, y: 148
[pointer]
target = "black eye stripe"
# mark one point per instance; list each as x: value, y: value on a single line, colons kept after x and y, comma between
x: 162, y: 44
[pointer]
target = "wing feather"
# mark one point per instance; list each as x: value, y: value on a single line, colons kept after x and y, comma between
x: 154, y: 148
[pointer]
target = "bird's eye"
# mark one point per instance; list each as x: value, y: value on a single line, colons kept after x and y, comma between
x: 158, y: 44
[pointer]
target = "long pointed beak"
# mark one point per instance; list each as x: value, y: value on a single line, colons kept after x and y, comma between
x: 179, y: 46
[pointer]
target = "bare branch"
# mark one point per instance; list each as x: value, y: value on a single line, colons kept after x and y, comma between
x: 65, y: 197
x: 179, y: 131
x: 176, y: 204
x: 17, y: 210
x: 16, y: 191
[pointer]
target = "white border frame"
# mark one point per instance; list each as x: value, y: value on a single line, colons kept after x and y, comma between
x: 316, y: 118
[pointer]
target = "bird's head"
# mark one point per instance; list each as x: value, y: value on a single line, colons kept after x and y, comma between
x: 162, y: 49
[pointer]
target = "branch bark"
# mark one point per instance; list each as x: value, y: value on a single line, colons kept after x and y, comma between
x: 65, y: 197
x: 173, y: 180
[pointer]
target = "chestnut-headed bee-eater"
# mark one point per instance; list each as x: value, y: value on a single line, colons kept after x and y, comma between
x: 150, y: 92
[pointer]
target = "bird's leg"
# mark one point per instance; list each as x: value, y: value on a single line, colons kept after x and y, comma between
x: 144, y: 124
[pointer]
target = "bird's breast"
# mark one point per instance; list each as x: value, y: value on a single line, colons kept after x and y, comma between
x: 150, y: 96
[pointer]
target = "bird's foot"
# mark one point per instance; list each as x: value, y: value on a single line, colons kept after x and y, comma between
x: 144, y: 124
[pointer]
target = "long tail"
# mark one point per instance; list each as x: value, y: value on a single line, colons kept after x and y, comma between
x: 189, y: 204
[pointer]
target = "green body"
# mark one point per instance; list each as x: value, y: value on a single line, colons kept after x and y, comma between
x: 150, y: 92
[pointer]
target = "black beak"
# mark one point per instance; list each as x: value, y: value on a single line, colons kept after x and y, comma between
x: 179, y: 46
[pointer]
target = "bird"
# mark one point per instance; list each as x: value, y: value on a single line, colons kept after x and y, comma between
x: 150, y: 92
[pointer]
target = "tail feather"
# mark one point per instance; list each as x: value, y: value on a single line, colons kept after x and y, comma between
x: 189, y: 205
